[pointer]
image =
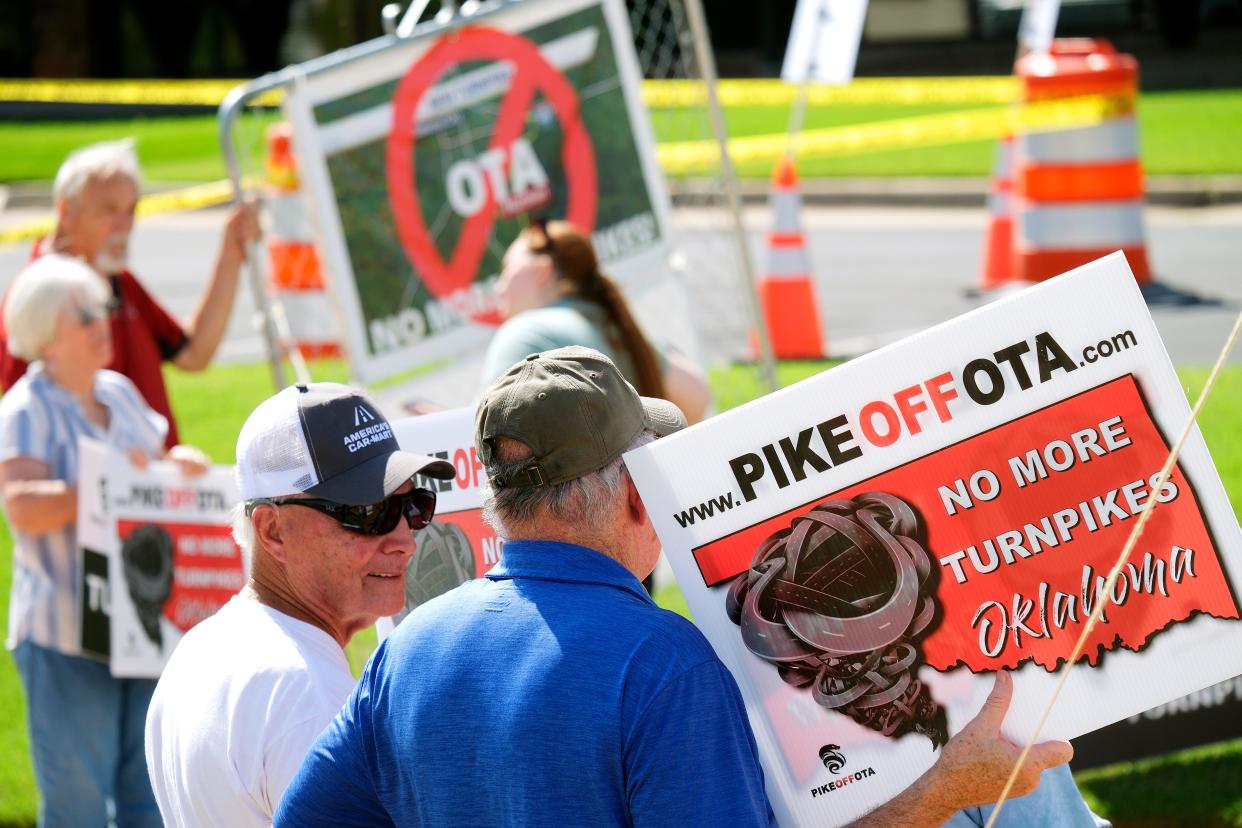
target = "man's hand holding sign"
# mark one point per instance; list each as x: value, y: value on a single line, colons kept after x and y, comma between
x: 972, y: 769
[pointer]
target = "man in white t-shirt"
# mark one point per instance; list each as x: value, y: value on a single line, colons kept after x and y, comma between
x: 326, y: 523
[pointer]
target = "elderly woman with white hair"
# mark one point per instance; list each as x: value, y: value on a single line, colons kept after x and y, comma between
x: 86, y: 727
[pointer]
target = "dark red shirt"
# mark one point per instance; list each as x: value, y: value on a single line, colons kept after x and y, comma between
x: 143, y: 336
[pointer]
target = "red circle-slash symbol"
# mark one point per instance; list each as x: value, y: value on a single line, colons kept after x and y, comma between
x: 531, y: 73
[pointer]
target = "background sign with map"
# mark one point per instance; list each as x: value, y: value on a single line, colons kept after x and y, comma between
x: 458, y: 545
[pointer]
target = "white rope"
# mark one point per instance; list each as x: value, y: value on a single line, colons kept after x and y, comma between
x: 1130, y: 543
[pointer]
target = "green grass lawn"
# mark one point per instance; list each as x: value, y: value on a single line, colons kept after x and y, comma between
x: 1180, y: 133
x: 1183, y: 133
x: 1195, y: 787
x: 176, y: 149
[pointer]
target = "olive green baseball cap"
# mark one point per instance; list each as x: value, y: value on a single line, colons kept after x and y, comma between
x: 574, y: 410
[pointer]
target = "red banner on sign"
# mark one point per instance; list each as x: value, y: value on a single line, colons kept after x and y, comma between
x: 1020, y: 526
x: 483, y: 541
x: 192, y: 569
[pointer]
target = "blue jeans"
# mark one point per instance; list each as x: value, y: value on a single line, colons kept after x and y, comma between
x: 86, y: 737
x: 1056, y: 803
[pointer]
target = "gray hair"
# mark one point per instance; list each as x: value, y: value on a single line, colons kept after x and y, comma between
x: 42, y: 292
x: 569, y: 501
x: 97, y: 161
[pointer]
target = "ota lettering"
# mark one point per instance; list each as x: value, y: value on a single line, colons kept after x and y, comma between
x: 523, y: 187
x: 985, y: 381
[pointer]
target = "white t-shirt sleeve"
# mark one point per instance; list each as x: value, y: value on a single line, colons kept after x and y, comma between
x: 285, y: 753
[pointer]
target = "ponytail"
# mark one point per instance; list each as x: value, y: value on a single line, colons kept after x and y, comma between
x: 574, y: 259
x: 647, y: 378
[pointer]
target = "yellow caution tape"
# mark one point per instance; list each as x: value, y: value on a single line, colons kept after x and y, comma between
x: 190, y: 198
x: 952, y: 127
x: 656, y: 93
x: 147, y: 92
x: 697, y: 156
x: 663, y: 94
x: 28, y: 231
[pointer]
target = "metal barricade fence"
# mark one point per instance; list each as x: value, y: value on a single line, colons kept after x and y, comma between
x: 717, y: 277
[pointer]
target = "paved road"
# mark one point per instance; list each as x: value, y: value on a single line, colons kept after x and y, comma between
x: 881, y: 272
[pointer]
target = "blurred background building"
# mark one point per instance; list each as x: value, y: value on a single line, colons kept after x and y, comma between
x: 1179, y: 42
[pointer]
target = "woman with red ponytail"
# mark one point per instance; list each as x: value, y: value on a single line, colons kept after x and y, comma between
x: 552, y: 294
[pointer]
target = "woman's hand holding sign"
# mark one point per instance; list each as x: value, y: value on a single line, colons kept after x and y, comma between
x: 193, y: 461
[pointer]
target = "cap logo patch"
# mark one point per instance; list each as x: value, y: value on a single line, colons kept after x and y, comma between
x: 362, y: 415
x: 378, y: 433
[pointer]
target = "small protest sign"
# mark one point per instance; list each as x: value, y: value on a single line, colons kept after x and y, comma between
x: 823, y: 41
x: 864, y: 549
x: 96, y: 535
x: 168, y: 545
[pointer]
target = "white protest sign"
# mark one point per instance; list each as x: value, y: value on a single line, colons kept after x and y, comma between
x: 168, y: 543
x: 865, y: 548
x: 823, y: 42
x: 458, y: 545
x: 96, y: 532
x: 1038, y: 25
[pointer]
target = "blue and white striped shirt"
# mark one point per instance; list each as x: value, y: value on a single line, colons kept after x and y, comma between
x: 41, y: 420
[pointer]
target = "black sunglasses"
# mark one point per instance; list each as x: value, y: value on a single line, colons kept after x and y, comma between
x: 417, y: 505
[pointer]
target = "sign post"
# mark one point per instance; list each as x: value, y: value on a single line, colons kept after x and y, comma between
x: 1038, y: 25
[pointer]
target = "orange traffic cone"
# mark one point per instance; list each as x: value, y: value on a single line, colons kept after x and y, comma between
x: 786, y: 287
x: 998, y: 246
x: 296, y: 276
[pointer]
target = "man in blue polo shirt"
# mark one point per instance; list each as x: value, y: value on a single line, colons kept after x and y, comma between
x: 553, y: 691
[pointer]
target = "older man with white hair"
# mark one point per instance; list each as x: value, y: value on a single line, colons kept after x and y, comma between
x: 329, y: 507
x: 96, y: 192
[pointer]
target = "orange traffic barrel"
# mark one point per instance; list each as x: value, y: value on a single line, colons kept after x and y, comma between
x: 1079, y: 192
x: 295, y: 272
x: 998, y: 242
